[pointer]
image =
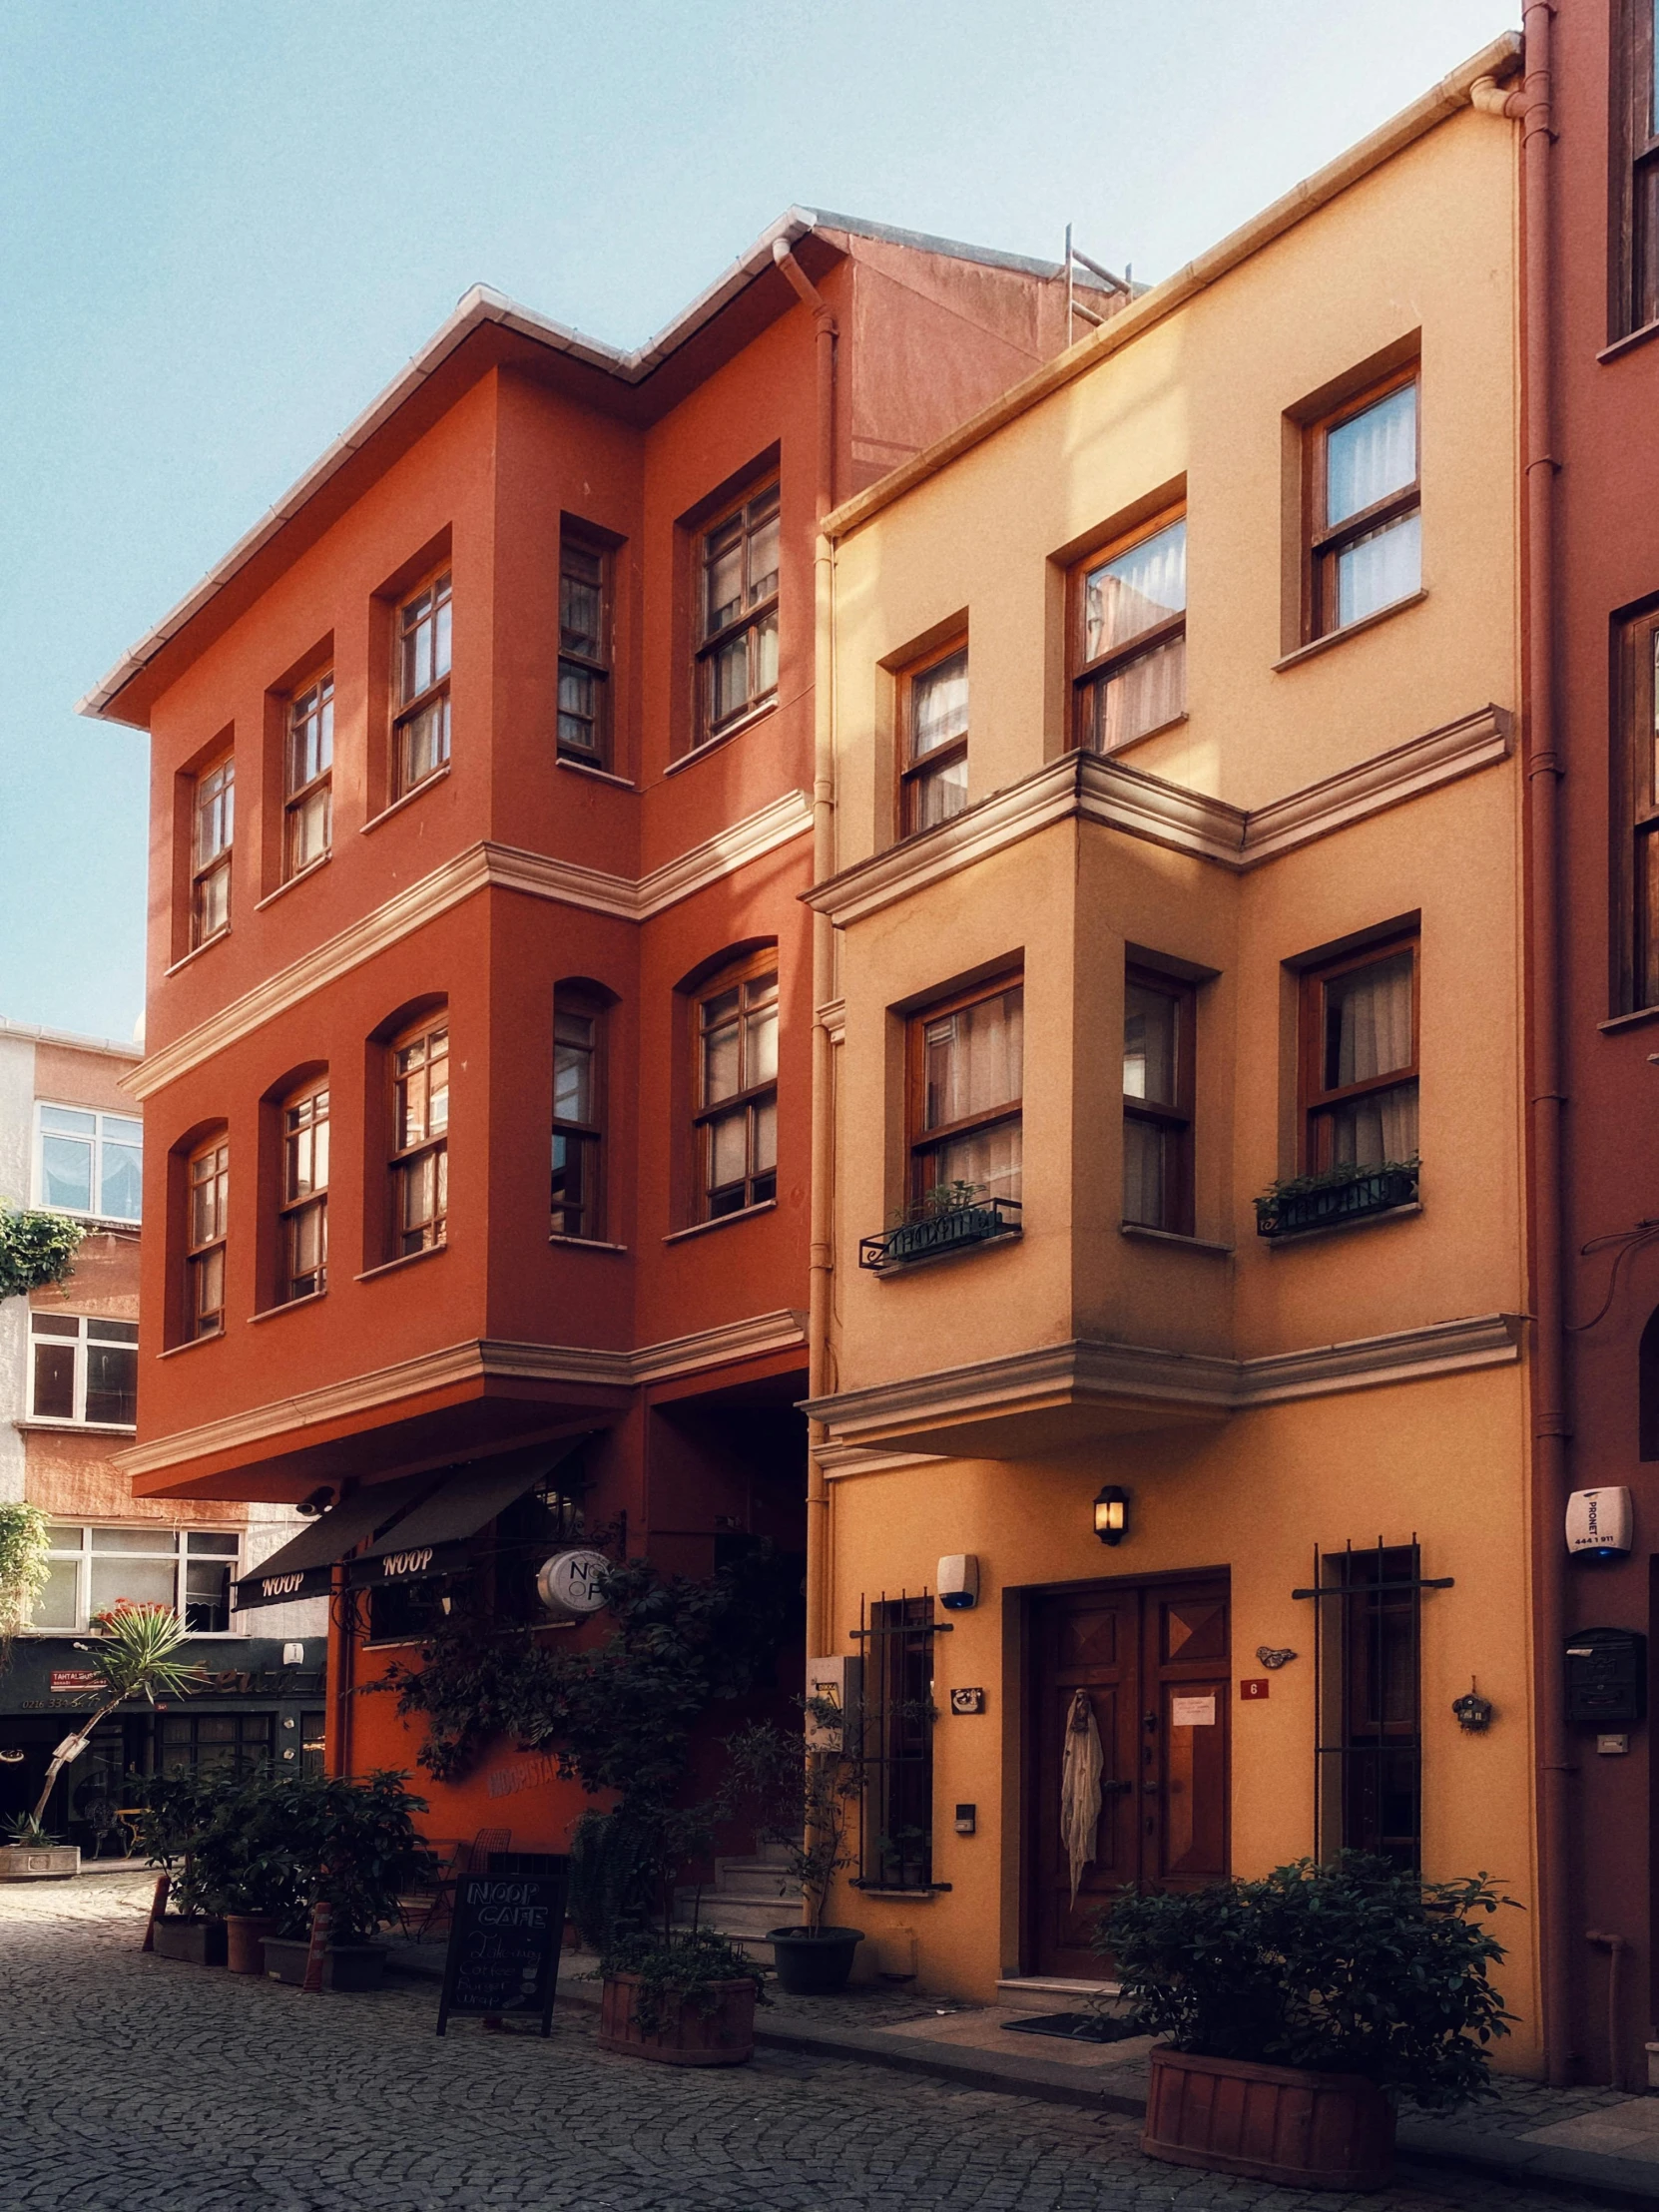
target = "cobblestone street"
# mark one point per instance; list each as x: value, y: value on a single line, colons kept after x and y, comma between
x: 134, y: 2084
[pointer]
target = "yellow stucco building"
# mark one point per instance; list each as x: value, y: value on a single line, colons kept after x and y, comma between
x: 1175, y: 855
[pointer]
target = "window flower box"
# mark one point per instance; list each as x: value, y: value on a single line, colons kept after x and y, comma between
x: 933, y: 1230
x: 1340, y: 1195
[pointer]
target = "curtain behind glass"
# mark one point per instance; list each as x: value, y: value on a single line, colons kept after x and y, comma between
x: 1131, y: 594
x: 974, y: 1059
x: 1367, y: 1022
x: 1371, y: 454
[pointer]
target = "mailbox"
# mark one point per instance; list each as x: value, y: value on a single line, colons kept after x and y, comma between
x: 1606, y: 1677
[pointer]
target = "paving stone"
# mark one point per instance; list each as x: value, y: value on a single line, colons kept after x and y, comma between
x: 139, y: 2085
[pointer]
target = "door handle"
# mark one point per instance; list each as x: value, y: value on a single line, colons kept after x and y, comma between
x: 1150, y: 1789
x: 1116, y: 1789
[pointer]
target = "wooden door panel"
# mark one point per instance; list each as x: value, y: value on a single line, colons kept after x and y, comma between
x: 1135, y: 1649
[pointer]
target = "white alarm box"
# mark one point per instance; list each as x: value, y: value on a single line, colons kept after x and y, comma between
x: 832, y: 1682
x: 1599, y: 1523
x: 959, y: 1582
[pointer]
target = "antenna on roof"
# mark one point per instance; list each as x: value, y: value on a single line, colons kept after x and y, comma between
x: 1076, y: 309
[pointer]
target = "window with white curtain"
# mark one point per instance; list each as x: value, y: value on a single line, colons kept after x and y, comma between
x: 1366, y: 519
x: 88, y: 1163
x: 966, y: 1081
x: 1130, y: 627
x: 1360, y: 1059
x: 94, y: 1570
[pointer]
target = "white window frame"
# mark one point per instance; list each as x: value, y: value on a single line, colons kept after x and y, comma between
x: 97, y: 1140
x: 179, y: 1558
x: 85, y: 1324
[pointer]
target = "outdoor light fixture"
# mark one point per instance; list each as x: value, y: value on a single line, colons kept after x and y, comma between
x: 1111, y: 1515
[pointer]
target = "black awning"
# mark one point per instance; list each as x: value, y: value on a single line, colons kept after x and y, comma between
x: 300, y: 1568
x: 434, y: 1536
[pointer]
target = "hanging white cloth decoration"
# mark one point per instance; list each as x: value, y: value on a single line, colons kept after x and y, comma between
x: 1080, y: 1772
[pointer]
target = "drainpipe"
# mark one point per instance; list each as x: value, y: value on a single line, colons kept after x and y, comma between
x: 1544, y: 768
x: 821, y: 1259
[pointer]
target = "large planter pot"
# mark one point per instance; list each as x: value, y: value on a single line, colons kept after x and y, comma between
x: 194, y: 1938
x: 813, y: 1962
x: 1275, y: 2123
x: 721, y: 2034
x: 244, y: 1935
x: 344, y: 1966
x: 39, y: 1862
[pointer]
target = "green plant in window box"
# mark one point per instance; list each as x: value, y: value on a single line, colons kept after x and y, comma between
x: 1275, y: 1195
x: 35, y: 1249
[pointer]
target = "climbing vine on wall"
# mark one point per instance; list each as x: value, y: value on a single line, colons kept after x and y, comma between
x: 35, y: 1249
x: 23, y: 1565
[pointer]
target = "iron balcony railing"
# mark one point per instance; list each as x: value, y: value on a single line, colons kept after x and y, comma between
x: 945, y: 1229
x: 1347, y: 1198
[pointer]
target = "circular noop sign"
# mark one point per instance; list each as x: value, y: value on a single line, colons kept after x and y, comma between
x: 569, y: 1582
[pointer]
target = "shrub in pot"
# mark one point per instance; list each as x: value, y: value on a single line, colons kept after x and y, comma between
x: 684, y: 1997
x: 355, y: 1849
x: 174, y: 1810
x: 1299, y: 2009
x: 807, y: 1796
x: 245, y: 1869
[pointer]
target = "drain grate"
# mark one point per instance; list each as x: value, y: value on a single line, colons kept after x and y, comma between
x: 1078, y: 2027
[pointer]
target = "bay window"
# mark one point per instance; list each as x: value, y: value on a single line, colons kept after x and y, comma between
x: 1129, y: 630
x: 965, y: 1077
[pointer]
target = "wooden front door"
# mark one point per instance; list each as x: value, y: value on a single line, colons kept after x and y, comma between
x: 1152, y: 1660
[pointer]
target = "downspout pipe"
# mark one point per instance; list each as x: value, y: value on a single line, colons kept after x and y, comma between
x: 820, y: 1255
x: 1530, y: 103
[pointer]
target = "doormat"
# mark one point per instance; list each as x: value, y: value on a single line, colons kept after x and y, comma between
x: 1078, y: 2027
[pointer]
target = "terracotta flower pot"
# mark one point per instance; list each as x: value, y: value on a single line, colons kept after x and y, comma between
x: 244, y: 1935
x: 194, y: 1938
x: 1275, y: 2123
x: 690, y: 2035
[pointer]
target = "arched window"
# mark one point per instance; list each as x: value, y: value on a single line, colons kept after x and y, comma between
x: 305, y: 1200
x: 735, y: 1086
x: 578, y: 1112
x: 208, y: 1185
x: 1647, y: 1388
x: 420, y: 1136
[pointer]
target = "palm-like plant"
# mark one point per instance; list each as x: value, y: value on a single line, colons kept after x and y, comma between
x: 134, y: 1655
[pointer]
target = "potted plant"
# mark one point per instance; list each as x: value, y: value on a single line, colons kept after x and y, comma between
x: 133, y: 1653
x: 354, y: 1848
x: 1299, y: 2009
x: 683, y: 1996
x: 176, y: 1808
x: 246, y: 1871
x: 807, y: 1793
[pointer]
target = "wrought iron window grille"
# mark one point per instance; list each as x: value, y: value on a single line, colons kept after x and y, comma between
x: 928, y: 1232
x: 1367, y: 1700
x: 896, y: 1810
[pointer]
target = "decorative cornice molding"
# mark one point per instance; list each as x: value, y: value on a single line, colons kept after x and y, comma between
x: 485, y: 866
x: 859, y: 1421
x: 476, y: 1361
x: 1084, y: 786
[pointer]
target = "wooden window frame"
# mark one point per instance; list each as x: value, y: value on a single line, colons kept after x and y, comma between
x: 917, y: 771
x: 207, y: 1162
x: 303, y: 1112
x: 208, y: 867
x: 409, y: 713
x: 432, y: 1232
x: 589, y: 1136
x: 1090, y: 678
x: 760, y: 1185
x: 1633, y: 270
x: 1175, y: 1120
x: 1324, y: 544
x: 594, y: 668
x: 1316, y: 1105
x: 1635, y: 752
x: 921, y: 1142
x: 749, y: 622
x: 298, y: 796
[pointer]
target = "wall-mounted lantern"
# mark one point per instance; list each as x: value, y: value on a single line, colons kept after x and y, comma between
x: 1471, y: 1711
x: 1111, y: 1515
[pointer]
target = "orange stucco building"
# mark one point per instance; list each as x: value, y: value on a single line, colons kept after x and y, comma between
x: 477, y: 1096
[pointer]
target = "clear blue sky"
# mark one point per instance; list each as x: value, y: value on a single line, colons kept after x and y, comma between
x: 223, y: 226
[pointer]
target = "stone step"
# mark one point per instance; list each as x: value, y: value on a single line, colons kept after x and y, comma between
x: 737, y: 1917
x: 743, y: 1878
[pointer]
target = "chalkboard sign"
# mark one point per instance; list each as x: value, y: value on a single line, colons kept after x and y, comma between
x: 504, y: 1938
